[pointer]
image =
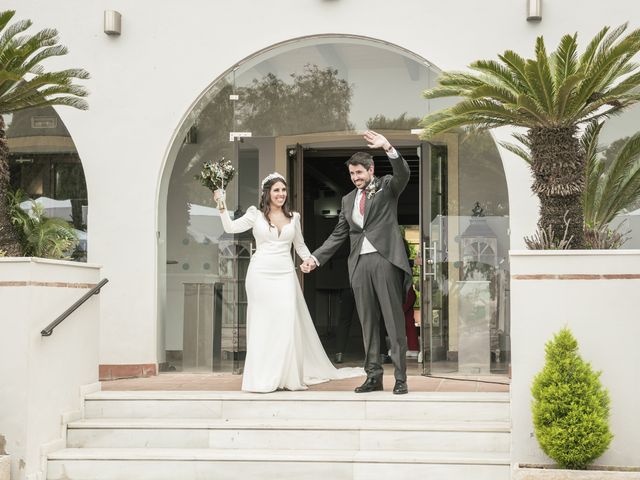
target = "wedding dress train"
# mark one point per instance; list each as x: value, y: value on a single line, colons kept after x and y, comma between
x: 283, y: 347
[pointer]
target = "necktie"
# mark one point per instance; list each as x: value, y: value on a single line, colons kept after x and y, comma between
x: 361, y: 205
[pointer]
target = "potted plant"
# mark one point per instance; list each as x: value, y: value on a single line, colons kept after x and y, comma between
x: 570, y: 412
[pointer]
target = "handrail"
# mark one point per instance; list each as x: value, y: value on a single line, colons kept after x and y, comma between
x: 94, y: 291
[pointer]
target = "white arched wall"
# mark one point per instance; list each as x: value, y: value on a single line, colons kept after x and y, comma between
x: 144, y: 80
x: 191, y: 116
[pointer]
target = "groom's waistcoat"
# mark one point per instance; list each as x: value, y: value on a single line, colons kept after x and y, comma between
x: 380, y: 224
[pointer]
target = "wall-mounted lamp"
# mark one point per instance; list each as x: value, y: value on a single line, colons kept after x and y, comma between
x: 112, y: 22
x: 534, y: 10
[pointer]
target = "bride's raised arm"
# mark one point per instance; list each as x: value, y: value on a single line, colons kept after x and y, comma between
x: 241, y: 224
x: 298, y: 241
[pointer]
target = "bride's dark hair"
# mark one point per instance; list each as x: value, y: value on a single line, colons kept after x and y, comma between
x: 265, y: 204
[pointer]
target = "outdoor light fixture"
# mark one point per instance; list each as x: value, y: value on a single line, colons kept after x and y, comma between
x: 112, y: 22
x: 534, y: 10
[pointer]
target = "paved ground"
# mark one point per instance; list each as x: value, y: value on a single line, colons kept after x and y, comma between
x: 228, y: 382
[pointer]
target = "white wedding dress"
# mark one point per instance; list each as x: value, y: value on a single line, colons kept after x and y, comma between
x: 283, y: 347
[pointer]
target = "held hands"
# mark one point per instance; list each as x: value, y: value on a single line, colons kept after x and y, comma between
x: 375, y: 140
x: 308, y: 265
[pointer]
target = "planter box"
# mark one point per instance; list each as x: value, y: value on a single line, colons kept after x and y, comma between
x: 546, y: 472
x: 596, y: 294
x: 42, y: 376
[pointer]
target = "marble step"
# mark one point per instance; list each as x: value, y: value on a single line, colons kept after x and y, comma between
x: 416, y: 406
x: 291, y: 434
x: 187, y: 464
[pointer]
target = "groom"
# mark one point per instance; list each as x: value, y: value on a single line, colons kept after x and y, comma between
x: 378, y: 266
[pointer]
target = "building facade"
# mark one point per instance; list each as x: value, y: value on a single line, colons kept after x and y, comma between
x: 288, y: 87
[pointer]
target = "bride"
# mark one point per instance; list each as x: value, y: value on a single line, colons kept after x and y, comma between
x: 283, y: 348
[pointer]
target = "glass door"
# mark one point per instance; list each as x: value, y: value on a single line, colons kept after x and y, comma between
x: 464, y: 294
x: 433, y: 305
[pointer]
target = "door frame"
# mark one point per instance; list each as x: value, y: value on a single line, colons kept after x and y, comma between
x: 428, y: 247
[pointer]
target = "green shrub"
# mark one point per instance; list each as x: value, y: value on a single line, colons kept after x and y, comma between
x: 41, y: 236
x: 570, y: 406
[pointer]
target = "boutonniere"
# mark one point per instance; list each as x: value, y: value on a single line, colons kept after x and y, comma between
x: 372, y: 188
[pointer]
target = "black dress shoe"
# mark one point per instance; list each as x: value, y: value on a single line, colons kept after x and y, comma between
x: 370, y: 385
x: 400, y: 388
x: 338, y: 358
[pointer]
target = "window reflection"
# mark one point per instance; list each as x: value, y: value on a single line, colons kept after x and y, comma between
x: 320, y: 93
x: 44, y: 163
x: 614, y: 135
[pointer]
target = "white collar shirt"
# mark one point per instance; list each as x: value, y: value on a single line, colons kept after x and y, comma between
x: 358, y: 219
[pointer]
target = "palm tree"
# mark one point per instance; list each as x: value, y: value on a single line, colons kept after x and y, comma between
x: 25, y: 83
x: 550, y: 96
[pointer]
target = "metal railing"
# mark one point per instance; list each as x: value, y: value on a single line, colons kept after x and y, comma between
x: 94, y: 291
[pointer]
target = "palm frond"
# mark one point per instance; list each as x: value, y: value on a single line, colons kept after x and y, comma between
x: 441, y: 92
x: 626, y: 85
x: 460, y: 79
x: 565, y: 59
x: 24, y: 81
x: 5, y: 18
x: 444, y: 121
x: 617, y: 175
x: 531, y: 108
x: 594, y: 167
x: 564, y: 94
x: 587, y: 57
x: 517, y: 65
x: 540, y: 75
x: 518, y: 150
x: 497, y: 74
x: 610, y: 189
x: 8, y: 38
x: 503, y: 95
x: 598, y: 78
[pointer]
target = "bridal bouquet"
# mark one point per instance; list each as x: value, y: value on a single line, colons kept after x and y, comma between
x: 215, y: 175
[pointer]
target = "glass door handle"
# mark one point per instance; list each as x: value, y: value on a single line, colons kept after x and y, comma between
x: 429, y: 260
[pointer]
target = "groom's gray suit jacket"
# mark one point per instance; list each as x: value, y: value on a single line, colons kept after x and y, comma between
x: 380, y: 223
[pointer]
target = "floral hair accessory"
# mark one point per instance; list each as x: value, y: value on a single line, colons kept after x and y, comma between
x: 270, y: 177
x: 372, y: 188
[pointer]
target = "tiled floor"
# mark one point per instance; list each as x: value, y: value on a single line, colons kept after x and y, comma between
x: 228, y: 382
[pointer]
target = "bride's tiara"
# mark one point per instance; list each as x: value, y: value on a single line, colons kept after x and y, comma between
x: 270, y: 177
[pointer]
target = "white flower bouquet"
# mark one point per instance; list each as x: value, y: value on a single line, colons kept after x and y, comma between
x: 216, y: 175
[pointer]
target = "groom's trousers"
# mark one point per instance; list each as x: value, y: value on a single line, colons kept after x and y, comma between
x: 378, y: 292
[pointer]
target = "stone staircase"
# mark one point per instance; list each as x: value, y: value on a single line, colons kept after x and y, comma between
x: 287, y: 435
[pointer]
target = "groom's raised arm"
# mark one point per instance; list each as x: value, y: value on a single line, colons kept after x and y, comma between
x: 401, y: 172
x: 399, y: 165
